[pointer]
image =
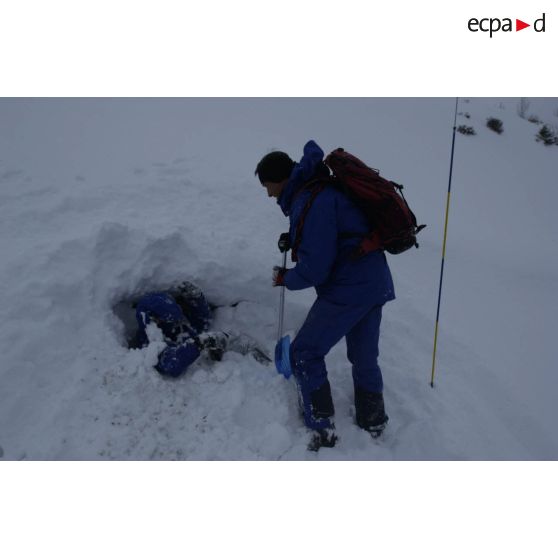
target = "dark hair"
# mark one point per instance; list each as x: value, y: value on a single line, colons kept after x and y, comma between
x: 275, y: 167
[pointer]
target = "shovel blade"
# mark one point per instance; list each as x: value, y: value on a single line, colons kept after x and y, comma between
x: 282, y: 356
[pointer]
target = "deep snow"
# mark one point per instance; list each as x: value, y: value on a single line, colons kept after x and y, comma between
x: 103, y: 199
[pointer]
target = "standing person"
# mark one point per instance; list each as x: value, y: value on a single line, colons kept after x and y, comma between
x: 350, y: 292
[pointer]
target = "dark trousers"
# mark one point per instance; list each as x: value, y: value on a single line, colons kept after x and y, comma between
x: 326, y: 324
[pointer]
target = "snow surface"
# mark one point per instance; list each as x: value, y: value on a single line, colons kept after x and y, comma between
x: 103, y: 199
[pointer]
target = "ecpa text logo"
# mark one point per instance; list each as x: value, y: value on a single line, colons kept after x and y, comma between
x: 494, y: 24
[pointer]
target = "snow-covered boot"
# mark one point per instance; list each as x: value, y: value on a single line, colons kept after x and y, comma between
x: 318, y: 411
x: 370, y: 411
x: 325, y: 437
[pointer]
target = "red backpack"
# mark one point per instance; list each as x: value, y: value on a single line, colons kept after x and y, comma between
x: 393, y: 224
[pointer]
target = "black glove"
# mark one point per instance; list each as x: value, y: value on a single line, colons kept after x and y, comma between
x: 214, y: 342
x: 284, y: 242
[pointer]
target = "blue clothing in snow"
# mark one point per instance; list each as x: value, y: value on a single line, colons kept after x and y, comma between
x: 180, y: 325
x: 350, y: 292
x: 176, y: 358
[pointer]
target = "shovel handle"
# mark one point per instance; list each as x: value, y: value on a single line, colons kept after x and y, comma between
x: 282, y: 303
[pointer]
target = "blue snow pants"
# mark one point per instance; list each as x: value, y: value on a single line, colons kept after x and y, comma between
x: 194, y: 316
x: 175, y: 359
x: 326, y: 324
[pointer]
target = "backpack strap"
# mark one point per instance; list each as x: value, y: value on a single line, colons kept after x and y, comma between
x: 370, y: 243
x: 316, y: 186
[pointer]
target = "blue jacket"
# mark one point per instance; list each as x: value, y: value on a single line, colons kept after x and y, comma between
x: 323, y: 255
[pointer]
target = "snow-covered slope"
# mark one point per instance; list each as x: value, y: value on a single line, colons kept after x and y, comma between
x: 104, y: 199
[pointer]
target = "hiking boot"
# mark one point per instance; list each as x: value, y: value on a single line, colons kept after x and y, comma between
x: 324, y: 437
x: 214, y: 343
x: 370, y: 411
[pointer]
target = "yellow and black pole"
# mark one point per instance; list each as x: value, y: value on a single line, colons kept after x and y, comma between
x: 444, y: 247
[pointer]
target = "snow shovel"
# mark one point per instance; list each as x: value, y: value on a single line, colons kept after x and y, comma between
x: 282, y: 348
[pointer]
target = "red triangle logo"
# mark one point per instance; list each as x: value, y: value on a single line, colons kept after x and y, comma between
x: 519, y: 25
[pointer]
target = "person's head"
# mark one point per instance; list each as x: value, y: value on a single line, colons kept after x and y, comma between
x: 274, y: 171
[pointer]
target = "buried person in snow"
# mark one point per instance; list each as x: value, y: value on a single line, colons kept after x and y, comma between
x: 325, y: 228
x: 184, y: 317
